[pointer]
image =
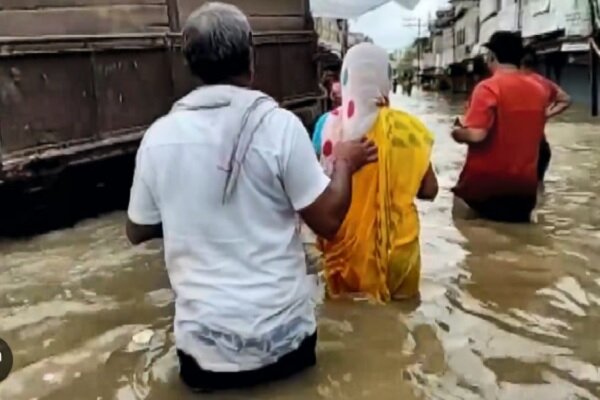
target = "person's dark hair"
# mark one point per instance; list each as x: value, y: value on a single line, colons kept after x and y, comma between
x: 217, y: 43
x: 530, y: 58
x: 507, y: 47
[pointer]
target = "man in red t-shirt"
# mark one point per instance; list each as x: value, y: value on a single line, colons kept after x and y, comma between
x: 503, y: 128
x: 560, y: 101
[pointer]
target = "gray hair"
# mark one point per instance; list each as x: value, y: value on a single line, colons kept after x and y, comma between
x: 217, y: 42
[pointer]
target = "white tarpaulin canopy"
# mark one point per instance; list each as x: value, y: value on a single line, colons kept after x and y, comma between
x: 348, y: 9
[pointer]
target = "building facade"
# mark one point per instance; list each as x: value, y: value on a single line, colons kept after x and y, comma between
x: 330, y: 33
x: 334, y: 35
x: 439, y: 53
x: 559, y: 30
x: 355, y: 38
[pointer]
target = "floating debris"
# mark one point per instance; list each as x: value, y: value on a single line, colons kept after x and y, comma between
x: 144, y: 337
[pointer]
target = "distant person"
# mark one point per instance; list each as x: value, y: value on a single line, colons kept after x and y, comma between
x: 223, y: 178
x: 503, y: 128
x: 335, y: 98
x: 376, y: 253
x: 407, y: 84
x: 559, y: 102
x: 327, y: 81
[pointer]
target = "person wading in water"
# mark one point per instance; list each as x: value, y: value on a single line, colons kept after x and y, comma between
x: 376, y: 253
x: 559, y: 100
x: 224, y: 178
x: 503, y: 128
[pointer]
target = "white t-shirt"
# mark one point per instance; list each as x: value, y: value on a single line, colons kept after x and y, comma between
x: 238, y: 269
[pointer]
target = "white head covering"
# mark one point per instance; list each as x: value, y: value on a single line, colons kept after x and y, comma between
x: 366, y: 77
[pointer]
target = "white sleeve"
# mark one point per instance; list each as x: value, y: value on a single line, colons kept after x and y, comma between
x: 143, y: 209
x: 303, y: 177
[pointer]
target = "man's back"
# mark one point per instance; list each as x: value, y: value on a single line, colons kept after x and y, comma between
x: 551, y: 88
x: 221, y: 179
x: 511, y: 108
x: 520, y: 114
x: 237, y: 267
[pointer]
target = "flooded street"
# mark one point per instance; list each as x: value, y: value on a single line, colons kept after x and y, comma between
x: 507, y: 311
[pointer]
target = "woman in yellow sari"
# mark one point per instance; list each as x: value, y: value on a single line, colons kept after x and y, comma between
x: 377, y: 252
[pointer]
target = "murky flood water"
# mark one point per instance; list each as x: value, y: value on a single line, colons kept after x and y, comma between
x: 507, y: 312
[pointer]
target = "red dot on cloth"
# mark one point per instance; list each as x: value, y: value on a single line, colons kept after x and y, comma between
x: 351, y: 109
x: 327, y: 148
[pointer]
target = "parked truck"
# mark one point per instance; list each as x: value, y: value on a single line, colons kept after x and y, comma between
x: 81, y: 80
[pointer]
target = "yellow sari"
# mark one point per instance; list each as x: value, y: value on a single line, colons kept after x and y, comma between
x: 377, y: 252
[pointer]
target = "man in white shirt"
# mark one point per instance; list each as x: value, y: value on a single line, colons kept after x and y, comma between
x: 223, y: 178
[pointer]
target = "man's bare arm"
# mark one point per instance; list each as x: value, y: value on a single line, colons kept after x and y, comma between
x: 462, y: 134
x: 479, y: 117
x: 562, y: 103
x: 138, y: 234
x: 468, y: 135
x: 429, y: 185
x: 327, y: 213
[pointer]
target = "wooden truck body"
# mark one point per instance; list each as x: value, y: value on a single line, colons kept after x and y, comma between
x: 80, y: 80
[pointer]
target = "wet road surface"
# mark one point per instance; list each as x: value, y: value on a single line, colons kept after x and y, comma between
x: 507, y: 311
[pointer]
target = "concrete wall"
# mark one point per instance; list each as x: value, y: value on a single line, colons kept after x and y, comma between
x: 437, y: 45
x: 494, y: 18
x: 428, y: 61
x: 328, y: 32
x: 448, y: 47
x: 467, y: 24
x: 76, y: 17
x: 575, y: 79
x: 543, y: 16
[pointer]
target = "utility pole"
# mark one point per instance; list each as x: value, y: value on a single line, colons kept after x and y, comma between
x: 342, y: 25
x: 416, y: 23
x: 173, y: 16
x: 594, y: 67
x: 594, y: 57
x: 419, y: 45
x: 519, y: 15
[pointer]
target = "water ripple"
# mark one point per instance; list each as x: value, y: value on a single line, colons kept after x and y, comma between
x: 506, y: 311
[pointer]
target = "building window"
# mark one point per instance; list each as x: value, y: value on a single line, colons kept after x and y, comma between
x: 461, y: 37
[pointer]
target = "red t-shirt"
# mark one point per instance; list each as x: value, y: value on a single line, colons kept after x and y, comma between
x: 551, y: 88
x: 511, y: 107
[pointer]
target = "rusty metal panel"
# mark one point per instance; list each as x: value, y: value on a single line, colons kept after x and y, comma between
x: 82, y: 19
x: 279, y: 70
x: 45, y: 99
x: 300, y: 76
x: 273, y: 8
x: 288, y: 23
x: 39, y: 4
x: 268, y: 70
x: 183, y: 80
x: 49, y: 4
x: 80, y: 43
x: 132, y: 89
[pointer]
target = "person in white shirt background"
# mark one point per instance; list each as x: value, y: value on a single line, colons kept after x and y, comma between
x: 223, y: 178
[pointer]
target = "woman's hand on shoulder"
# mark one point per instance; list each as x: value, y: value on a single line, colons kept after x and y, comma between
x: 382, y: 101
x: 357, y: 153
